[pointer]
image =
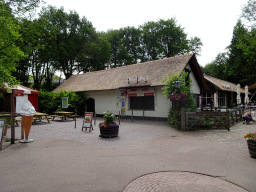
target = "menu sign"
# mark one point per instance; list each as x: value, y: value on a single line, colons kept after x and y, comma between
x: 87, y: 119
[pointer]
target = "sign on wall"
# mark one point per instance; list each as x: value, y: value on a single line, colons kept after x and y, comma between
x: 64, y: 102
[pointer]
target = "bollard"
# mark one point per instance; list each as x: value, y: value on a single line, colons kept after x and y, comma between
x: 75, y: 120
x: 119, y: 117
x: 132, y: 115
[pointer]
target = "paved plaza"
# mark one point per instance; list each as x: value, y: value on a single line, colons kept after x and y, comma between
x: 147, y: 156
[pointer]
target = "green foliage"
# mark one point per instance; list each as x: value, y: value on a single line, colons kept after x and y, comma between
x: 10, y: 53
x: 195, y: 45
x: 169, y: 88
x: 164, y: 38
x: 218, y: 68
x: 50, y: 102
x: 109, y: 118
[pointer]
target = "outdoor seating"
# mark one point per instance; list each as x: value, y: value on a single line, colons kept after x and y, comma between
x: 62, y: 114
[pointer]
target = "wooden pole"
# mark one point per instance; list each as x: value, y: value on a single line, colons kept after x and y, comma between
x: 119, y: 117
x: 183, y: 119
x: 12, y: 118
x: 95, y: 118
x: 132, y: 115
x: 143, y: 113
x: 75, y: 120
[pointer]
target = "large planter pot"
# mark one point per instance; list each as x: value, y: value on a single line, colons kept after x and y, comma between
x: 109, y: 131
x: 252, y: 147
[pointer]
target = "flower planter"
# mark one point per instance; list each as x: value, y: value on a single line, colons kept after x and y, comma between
x: 109, y: 131
x: 252, y: 147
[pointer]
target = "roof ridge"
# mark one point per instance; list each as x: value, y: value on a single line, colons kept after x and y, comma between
x: 221, y: 80
x: 182, y: 55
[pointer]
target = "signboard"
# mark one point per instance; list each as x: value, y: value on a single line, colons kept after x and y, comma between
x: 123, y: 111
x: 2, y: 129
x: 87, y: 119
x: 149, y: 94
x: 64, y: 102
x: 132, y: 95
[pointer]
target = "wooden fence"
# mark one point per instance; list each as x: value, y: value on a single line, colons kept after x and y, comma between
x: 210, y: 119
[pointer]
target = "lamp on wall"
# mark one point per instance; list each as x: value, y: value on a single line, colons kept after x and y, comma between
x: 177, y: 84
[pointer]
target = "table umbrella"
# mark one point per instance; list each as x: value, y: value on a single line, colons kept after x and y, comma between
x: 238, y: 98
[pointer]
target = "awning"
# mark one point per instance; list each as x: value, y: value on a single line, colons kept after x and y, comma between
x: 26, y: 90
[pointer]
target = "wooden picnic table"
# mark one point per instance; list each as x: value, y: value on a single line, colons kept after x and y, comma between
x: 62, y: 114
x: 39, y: 116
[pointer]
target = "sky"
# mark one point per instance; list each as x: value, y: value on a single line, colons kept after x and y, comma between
x: 211, y: 21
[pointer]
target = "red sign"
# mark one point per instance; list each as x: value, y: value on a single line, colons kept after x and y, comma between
x: 18, y: 92
x: 149, y: 94
x: 88, y: 114
x: 132, y: 95
x: 145, y: 89
x: 133, y: 89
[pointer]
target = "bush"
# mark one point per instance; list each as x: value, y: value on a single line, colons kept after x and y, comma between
x: 169, y: 88
x: 49, y: 102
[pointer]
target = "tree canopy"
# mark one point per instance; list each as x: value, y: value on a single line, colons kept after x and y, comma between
x: 37, y: 47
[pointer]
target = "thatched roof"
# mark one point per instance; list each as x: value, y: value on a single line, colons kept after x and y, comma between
x: 222, y: 85
x: 151, y: 73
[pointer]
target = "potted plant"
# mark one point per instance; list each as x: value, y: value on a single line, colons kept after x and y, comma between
x: 251, y: 142
x: 109, y: 128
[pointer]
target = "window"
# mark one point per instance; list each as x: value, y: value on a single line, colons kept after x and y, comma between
x: 142, y: 102
x: 222, y: 99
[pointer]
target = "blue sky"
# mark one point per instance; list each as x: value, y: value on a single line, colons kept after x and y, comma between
x: 211, y: 21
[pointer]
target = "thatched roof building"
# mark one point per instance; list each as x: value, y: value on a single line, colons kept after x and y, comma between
x: 149, y: 73
x: 222, y: 85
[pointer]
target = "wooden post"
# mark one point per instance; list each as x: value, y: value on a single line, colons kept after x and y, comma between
x: 119, y: 116
x: 12, y: 118
x: 143, y: 113
x: 236, y: 117
x: 182, y: 119
x: 132, y: 115
x: 95, y: 118
x: 228, y: 126
x: 232, y: 117
x: 75, y: 120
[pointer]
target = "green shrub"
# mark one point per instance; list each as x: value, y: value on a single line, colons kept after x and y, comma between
x: 174, y: 116
x: 49, y: 102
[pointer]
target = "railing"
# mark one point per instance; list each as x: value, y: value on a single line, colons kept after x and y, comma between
x: 220, y: 118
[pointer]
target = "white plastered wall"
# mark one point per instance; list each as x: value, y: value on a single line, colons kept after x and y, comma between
x: 107, y: 101
x: 195, y: 87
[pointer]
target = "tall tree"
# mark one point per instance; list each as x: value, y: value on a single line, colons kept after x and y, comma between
x: 10, y: 53
x: 164, y: 38
x: 72, y: 33
x: 218, y: 67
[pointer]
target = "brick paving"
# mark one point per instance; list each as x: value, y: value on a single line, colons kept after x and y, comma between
x: 180, y: 181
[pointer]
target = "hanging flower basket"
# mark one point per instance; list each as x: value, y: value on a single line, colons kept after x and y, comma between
x: 178, y: 97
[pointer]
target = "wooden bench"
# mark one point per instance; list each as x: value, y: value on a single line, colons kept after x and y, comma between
x: 73, y: 116
x: 53, y: 117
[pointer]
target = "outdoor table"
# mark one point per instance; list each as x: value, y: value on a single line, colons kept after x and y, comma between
x: 39, y: 116
x: 62, y: 114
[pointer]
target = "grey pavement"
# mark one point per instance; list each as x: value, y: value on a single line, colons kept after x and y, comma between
x: 147, y: 156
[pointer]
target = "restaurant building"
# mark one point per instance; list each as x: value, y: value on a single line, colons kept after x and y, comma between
x: 135, y: 89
